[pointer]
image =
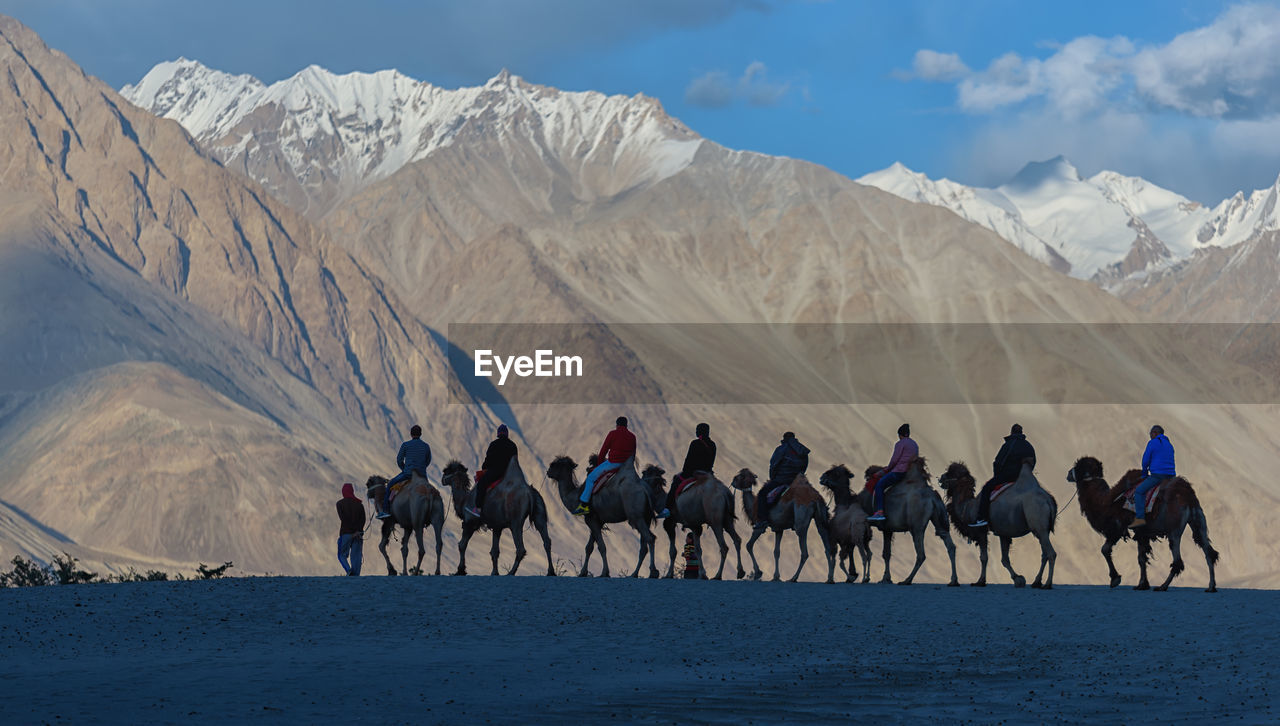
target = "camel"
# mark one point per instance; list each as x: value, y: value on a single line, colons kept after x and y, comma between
x: 1176, y: 507
x: 624, y: 498
x: 794, y: 510
x: 417, y: 504
x: 849, y: 526
x: 1024, y: 508
x: 707, y: 502
x: 911, y: 506
x: 510, y: 505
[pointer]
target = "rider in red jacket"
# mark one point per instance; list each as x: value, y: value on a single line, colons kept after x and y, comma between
x: 619, y: 446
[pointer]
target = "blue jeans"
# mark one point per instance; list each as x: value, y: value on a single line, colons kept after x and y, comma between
x: 353, y: 545
x: 1140, y: 494
x: 593, y: 475
x: 886, y: 480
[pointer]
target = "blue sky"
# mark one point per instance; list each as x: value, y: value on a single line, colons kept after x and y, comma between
x: 1184, y: 93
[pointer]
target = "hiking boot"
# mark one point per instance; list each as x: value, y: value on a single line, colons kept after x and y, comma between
x: 877, y: 517
x: 979, y: 523
x: 664, y: 513
x: 1138, y: 523
x: 581, y: 509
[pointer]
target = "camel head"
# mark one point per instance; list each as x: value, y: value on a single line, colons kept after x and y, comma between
x: 455, y: 476
x: 561, y: 469
x: 1084, y: 470
x: 956, y: 479
x: 837, y: 477
x: 653, y: 476
x: 373, y: 485
x: 745, y: 480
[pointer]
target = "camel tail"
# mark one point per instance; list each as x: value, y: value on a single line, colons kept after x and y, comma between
x: 1200, y: 534
x: 539, y: 509
x: 939, y: 518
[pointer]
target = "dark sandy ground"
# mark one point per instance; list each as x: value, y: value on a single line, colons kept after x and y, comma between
x: 522, y: 650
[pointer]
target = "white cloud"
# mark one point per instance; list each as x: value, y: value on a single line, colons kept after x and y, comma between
x: 1199, y: 114
x: 716, y: 89
x: 930, y: 65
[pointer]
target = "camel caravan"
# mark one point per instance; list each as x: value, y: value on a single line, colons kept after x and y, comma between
x: 1145, y: 505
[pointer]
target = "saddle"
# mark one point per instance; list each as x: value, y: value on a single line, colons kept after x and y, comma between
x: 1000, y: 489
x: 1151, y: 495
x: 682, y: 485
x: 480, y: 475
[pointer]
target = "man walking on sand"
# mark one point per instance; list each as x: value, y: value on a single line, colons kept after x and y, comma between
x: 351, y: 532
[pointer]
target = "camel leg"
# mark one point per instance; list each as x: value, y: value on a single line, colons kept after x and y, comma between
x: 517, y: 536
x: 718, y: 531
x: 495, y: 550
x: 865, y: 549
x: 540, y: 524
x: 1144, y: 555
x: 756, y: 574
x: 382, y: 547
x: 983, y: 546
x: 802, y: 532
x: 438, y: 525
x: 670, y: 526
x: 1175, y: 549
x: 828, y: 548
x: 887, y: 551
x: 604, y: 557
x: 422, y: 549
x: 1111, y: 565
x: 462, y: 548
x: 917, y: 537
x: 1047, y: 558
x: 1005, y: 543
x: 1200, y: 535
x: 404, y: 551
x: 586, y: 557
x: 737, y: 548
x: 777, y: 555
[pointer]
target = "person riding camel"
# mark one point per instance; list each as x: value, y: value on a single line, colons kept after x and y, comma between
x: 414, y: 455
x: 789, y: 461
x: 619, y: 446
x: 1005, y: 468
x: 1157, y: 465
x: 496, y: 459
x: 904, y: 452
x: 701, y: 459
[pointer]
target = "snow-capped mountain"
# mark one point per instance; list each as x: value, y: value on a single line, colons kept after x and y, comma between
x: 317, y: 138
x: 1107, y: 227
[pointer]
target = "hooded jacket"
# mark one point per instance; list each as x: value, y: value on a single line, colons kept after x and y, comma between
x: 1158, y: 457
x: 789, y: 460
x: 1008, y: 462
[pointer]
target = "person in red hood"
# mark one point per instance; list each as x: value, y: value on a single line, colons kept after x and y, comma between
x: 351, y: 533
x: 619, y: 447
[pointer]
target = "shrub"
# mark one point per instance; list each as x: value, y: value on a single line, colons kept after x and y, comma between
x: 205, y: 572
x: 26, y: 573
x: 64, y: 569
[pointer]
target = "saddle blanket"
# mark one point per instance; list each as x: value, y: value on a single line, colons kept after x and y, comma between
x: 682, y: 484
x: 1151, y: 495
x: 480, y: 475
x: 1000, y: 489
